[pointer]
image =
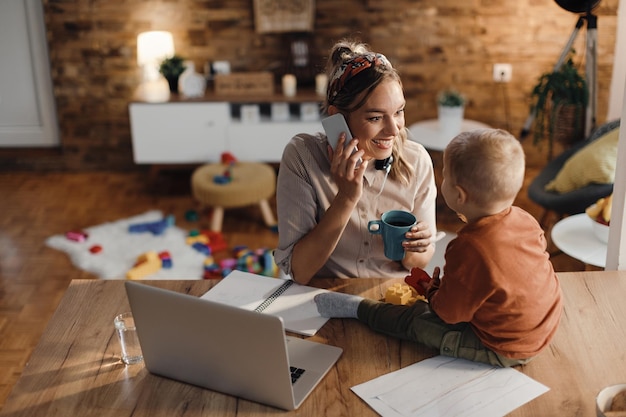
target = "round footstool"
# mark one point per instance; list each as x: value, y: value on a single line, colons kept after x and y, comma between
x: 222, y: 186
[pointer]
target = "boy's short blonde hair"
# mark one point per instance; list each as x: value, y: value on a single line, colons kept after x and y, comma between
x: 487, y: 163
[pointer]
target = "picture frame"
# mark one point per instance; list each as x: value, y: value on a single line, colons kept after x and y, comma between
x: 279, y: 16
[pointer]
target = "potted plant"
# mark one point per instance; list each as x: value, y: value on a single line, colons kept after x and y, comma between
x: 171, y: 68
x: 559, y: 101
x: 450, y: 98
x: 450, y: 108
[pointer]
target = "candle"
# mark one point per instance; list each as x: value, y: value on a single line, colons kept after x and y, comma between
x: 289, y: 85
x: 320, y: 84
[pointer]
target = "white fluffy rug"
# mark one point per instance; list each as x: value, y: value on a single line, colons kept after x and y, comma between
x: 120, y: 249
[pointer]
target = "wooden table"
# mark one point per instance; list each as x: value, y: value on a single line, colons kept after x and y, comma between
x: 75, y: 369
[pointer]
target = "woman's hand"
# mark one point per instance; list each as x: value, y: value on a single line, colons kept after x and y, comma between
x: 419, y: 238
x: 346, y: 170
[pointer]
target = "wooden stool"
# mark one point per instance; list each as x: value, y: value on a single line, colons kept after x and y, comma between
x: 250, y: 183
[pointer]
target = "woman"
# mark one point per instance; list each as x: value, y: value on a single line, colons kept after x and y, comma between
x: 325, y: 196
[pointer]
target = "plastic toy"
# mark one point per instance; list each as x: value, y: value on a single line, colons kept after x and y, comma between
x: 147, y: 264
x: 202, y: 248
x: 76, y: 235
x: 95, y: 249
x: 156, y: 228
x: 216, y: 240
x: 191, y: 216
x: 227, y: 158
x: 417, y: 275
x: 227, y: 266
x: 269, y: 267
x: 190, y: 240
x: 402, y: 294
x: 166, y: 260
x: 398, y: 294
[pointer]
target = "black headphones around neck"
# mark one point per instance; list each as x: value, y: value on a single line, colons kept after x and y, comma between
x: 384, y: 164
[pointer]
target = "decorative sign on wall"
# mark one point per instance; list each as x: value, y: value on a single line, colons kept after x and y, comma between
x: 272, y: 16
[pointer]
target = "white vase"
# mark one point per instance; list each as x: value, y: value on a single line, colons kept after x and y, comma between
x: 190, y: 83
x: 450, y: 120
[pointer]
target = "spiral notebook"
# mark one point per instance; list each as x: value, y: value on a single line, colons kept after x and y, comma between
x: 280, y: 297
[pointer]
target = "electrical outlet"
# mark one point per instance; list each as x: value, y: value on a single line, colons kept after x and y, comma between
x: 502, y: 73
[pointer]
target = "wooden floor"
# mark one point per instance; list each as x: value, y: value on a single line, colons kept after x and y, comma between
x: 34, y: 206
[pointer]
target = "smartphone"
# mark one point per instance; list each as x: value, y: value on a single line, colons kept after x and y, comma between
x: 333, y: 126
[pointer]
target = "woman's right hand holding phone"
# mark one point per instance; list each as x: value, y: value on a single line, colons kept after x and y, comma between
x: 347, y: 168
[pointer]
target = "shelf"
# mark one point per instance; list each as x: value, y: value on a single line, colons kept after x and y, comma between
x: 302, y: 96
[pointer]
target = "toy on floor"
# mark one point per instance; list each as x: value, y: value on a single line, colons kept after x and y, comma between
x: 216, y: 240
x: 191, y: 216
x: 77, y: 235
x: 149, y: 263
x: 156, y: 228
x: 260, y: 262
x: 166, y: 260
x: 95, y: 249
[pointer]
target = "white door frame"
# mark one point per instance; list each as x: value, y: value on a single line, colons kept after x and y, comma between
x: 27, y: 108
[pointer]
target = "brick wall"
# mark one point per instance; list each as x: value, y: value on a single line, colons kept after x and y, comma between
x: 434, y: 43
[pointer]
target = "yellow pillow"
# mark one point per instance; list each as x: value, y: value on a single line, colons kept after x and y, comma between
x: 593, y: 164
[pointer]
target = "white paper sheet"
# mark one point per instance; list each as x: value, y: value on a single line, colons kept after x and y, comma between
x: 444, y: 386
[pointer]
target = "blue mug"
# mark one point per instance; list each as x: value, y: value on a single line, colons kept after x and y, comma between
x: 392, y: 226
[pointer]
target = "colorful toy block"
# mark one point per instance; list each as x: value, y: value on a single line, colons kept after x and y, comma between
x: 166, y: 260
x: 227, y: 265
x: 191, y: 216
x: 269, y: 267
x: 398, y: 294
x: 217, y: 243
x: 212, y: 273
x: 202, y: 248
x: 147, y: 264
x: 156, y: 228
x: 76, y: 235
x: 227, y: 158
x: 190, y: 240
x: 95, y: 249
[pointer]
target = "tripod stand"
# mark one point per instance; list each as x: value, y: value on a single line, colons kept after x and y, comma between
x: 590, y: 70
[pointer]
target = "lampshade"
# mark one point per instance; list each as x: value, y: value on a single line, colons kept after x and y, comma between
x: 153, y: 47
x: 578, y: 6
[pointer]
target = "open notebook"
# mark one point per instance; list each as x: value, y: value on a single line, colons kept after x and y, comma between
x: 280, y: 297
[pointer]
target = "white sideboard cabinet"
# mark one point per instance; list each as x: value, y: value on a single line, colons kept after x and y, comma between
x: 199, y: 131
x: 178, y: 133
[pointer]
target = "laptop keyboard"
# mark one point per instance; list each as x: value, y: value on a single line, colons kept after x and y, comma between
x: 295, y: 373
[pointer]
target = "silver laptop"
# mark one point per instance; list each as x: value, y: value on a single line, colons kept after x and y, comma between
x: 225, y: 348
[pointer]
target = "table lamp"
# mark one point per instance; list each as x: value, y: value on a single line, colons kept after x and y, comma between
x: 152, y: 48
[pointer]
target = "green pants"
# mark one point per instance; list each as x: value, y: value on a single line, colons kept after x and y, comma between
x: 419, y: 324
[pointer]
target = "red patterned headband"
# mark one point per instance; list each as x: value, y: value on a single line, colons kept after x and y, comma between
x: 351, y: 68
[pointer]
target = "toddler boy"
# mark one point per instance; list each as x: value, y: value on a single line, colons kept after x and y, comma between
x: 499, y: 299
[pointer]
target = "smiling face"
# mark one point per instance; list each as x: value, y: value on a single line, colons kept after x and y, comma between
x: 378, y: 122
